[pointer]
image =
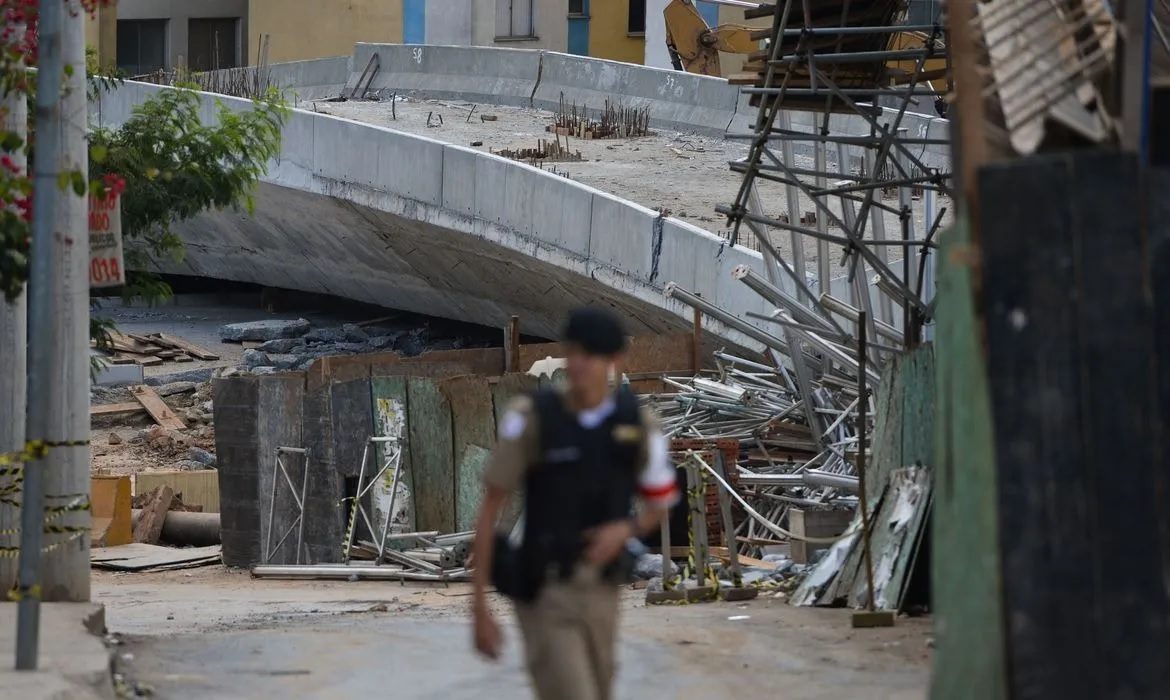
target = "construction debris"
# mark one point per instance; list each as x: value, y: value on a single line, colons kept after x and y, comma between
x: 545, y: 151
x: 616, y: 121
x: 147, y: 557
x: 427, y: 556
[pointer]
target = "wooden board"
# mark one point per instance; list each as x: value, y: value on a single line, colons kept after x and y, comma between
x: 431, y: 455
x: 116, y: 409
x: 188, y: 347
x: 157, y: 408
x: 473, y: 425
x: 149, y: 527
x: 148, y: 360
x: 125, y: 343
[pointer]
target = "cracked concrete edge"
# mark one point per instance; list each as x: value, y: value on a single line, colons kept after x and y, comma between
x: 92, y: 674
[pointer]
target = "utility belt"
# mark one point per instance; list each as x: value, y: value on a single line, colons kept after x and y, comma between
x: 521, y: 574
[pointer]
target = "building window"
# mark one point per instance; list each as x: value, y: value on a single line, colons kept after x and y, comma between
x: 576, y: 8
x: 637, y: 19
x: 142, y: 46
x: 514, y: 19
x: 213, y: 43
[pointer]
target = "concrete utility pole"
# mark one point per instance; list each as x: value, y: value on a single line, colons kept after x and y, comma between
x: 66, y: 570
x: 13, y: 347
x: 41, y: 326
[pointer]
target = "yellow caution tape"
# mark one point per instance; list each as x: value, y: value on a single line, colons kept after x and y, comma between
x: 32, y: 451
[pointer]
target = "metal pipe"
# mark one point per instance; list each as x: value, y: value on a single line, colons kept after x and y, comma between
x: 837, y: 354
x: 341, y: 571
x: 833, y: 31
x: 779, y: 297
x: 852, y: 313
x: 677, y: 293
x: 775, y: 318
x: 786, y: 135
x: 816, y: 477
x: 42, y: 325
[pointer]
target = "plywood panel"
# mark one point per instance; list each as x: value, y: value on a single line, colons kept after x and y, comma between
x: 110, y: 501
x: 197, y: 488
x: 508, y: 387
x: 431, y: 455
x: 970, y: 657
x: 473, y: 425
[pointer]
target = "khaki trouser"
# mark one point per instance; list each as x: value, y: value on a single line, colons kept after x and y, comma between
x: 569, y: 638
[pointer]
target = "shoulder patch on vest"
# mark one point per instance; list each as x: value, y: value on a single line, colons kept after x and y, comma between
x: 627, y: 433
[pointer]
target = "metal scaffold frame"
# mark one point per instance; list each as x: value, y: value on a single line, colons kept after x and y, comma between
x: 838, y: 60
x: 367, y: 479
x: 280, y: 469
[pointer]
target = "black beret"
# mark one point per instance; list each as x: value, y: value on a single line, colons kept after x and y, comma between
x: 596, y: 331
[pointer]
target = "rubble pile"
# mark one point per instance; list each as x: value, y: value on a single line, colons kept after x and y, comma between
x: 286, y: 345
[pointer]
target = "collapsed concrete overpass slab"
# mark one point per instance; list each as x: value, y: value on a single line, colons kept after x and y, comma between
x: 377, y: 215
x: 380, y: 216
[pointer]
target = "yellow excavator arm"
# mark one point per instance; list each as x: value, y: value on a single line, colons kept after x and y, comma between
x: 694, y: 47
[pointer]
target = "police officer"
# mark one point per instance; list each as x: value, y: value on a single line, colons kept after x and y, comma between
x: 585, y: 457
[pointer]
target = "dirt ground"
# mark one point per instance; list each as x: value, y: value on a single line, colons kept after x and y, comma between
x: 684, y: 173
x: 214, y: 633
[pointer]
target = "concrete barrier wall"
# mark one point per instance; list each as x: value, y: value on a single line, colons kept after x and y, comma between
x: 380, y: 216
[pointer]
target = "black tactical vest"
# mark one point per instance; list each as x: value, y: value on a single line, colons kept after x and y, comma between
x: 585, y: 477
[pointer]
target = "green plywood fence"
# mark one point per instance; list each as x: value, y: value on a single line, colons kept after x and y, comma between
x: 448, y: 426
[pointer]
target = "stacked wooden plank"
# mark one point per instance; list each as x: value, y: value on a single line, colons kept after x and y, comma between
x: 146, y: 399
x: 856, y: 76
x: 154, y: 349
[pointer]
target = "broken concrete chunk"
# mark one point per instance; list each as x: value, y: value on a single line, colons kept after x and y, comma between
x: 255, y: 358
x: 264, y: 369
x: 281, y: 345
x: 284, y: 361
x: 349, y: 347
x: 264, y: 330
x: 354, y: 333
x: 201, y: 455
x: 325, y: 335
x: 176, y: 388
x: 382, y: 342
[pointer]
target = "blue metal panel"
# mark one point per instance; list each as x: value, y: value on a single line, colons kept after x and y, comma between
x: 414, y: 21
x: 710, y: 12
x: 578, y: 43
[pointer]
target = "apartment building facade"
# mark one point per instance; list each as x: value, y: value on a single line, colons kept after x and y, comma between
x: 140, y: 37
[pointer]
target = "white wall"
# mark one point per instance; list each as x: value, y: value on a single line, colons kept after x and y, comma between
x: 449, y: 22
x: 656, y: 54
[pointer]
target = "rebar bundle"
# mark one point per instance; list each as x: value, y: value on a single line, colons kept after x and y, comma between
x: 616, y: 121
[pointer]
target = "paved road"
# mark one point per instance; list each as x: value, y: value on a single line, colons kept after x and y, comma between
x: 215, y: 642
